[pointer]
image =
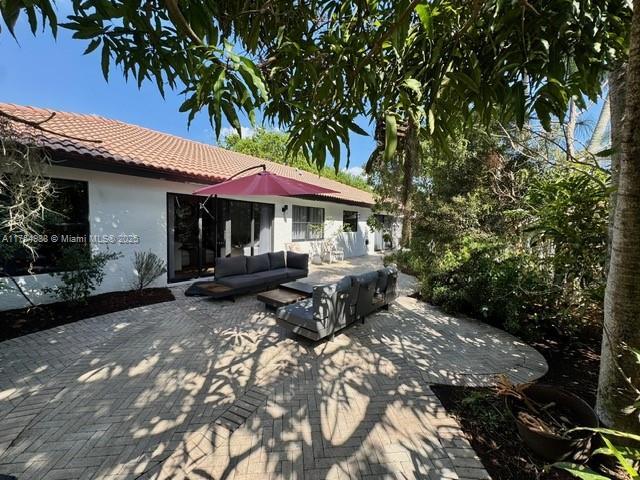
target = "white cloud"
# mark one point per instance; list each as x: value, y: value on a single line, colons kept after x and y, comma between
x: 246, y: 131
x: 357, y: 171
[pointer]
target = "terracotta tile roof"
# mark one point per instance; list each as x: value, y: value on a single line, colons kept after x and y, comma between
x: 133, y: 145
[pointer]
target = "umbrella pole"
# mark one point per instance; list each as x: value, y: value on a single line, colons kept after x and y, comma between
x: 215, y: 237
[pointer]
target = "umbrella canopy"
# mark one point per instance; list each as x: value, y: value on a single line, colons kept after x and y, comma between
x: 263, y: 183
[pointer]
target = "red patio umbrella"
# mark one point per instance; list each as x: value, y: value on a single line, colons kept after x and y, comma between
x: 263, y: 183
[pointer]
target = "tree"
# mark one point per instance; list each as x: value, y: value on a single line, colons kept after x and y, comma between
x: 315, y: 66
x: 619, y: 368
x: 272, y: 145
x: 24, y: 195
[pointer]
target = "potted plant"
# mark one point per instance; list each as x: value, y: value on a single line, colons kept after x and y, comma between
x: 546, y: 418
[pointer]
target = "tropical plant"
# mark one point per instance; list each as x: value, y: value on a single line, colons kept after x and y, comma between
x: 147, y: 266
x: 625, y: 456
x: 623, y: 447
x: 80, y: 272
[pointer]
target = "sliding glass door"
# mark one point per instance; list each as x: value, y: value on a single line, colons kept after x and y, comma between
x: 246, y: 228
x: 184, y: 238
x: 198, y: 235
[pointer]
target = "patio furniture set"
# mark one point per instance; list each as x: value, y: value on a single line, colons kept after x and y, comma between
x: 311, y: 311
x: 333, y: 307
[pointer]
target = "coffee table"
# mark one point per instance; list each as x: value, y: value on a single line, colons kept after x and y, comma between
x: 298, y: 287
x: 217, y: 290
x: 280, y: 297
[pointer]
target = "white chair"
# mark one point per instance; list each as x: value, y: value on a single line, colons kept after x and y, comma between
x: 333, y: 253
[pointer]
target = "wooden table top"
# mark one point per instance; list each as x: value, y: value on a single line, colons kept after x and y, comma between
x: 280, y: 297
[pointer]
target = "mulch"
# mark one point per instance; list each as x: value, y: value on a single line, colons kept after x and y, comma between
x: 15, y: 323
x: 491, y: 430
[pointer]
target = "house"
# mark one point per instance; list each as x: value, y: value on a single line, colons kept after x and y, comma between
x: 128, y: 189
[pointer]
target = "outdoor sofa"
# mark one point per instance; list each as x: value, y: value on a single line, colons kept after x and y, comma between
x: 252, y: 274
x: 258, y: 273
x: 335, y: 306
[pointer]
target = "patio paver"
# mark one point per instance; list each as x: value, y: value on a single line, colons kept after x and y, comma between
x: 145, y: 393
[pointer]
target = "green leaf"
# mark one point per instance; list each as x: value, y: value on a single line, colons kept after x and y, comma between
x: 579, y: 471
x: 354, y: 127
x: 252, y: 76
x: 95, y: 43
x: 607, y: 152
x: 413, y: 85
x: 621, y: 460
x: 232, y: 116
x: 627, y: 452
x: 10, y: 13
x: 636, y: 353
x: 431, y: 121
x: 390, y: 137
x: 465, y: 79
x: 606, y: 431
x: 106, y: 58
x: 424, y: 13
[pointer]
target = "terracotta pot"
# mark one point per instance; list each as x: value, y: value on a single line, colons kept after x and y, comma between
x: 548, y: 446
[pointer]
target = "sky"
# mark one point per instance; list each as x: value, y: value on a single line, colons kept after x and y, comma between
x: 53, y: 73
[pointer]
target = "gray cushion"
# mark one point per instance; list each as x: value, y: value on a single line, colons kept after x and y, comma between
x: 301, y: 314
x: 383, y: 280
x: 297, y: 260
x: 354, y: 288
x: 273, y: 276
x: 323, y: 299
x: 367, y: 278
x: 344, y: 285
x: 296, y: 273
x: 258, y: 263
x: 241, y: 281
x: 276, y: 260
x: 226, y: 267
x: 250, y: 280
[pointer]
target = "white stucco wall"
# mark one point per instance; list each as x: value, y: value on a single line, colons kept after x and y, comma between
x: 121, y: 204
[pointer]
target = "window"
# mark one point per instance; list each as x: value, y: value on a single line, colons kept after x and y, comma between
x: 308, y: 223
x: 67, y: 220
x: 349, y: 221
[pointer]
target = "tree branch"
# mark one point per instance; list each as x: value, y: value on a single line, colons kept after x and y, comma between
x: 38, y: 126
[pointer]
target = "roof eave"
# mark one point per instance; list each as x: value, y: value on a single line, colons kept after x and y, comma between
x: 114, y: 165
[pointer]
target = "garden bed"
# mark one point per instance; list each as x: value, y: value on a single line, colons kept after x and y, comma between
x: 16, y: 323
x: 492, y: 432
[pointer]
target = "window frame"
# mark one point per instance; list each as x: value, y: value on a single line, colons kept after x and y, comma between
x: 307, y: 223
x: 348, y: 222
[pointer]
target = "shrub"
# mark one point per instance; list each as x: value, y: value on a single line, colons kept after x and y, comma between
x: 80, y: 272
x: 147, y: 267
x: 490, y: 281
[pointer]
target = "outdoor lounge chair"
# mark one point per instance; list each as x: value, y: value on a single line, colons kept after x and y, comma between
x: 330, y: 308
x: 333, y: 307
x: 375, y: 290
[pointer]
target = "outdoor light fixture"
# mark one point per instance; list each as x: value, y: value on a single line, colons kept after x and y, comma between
x: 285, y: 208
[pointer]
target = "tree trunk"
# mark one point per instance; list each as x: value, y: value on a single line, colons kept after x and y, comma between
x: 596, y: 142
x: 410, y: 162
x: 570, y: 130
x: 616, y: 106
x: 622, y: 297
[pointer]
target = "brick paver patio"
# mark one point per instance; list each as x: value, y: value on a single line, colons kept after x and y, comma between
x: 203, y: 390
